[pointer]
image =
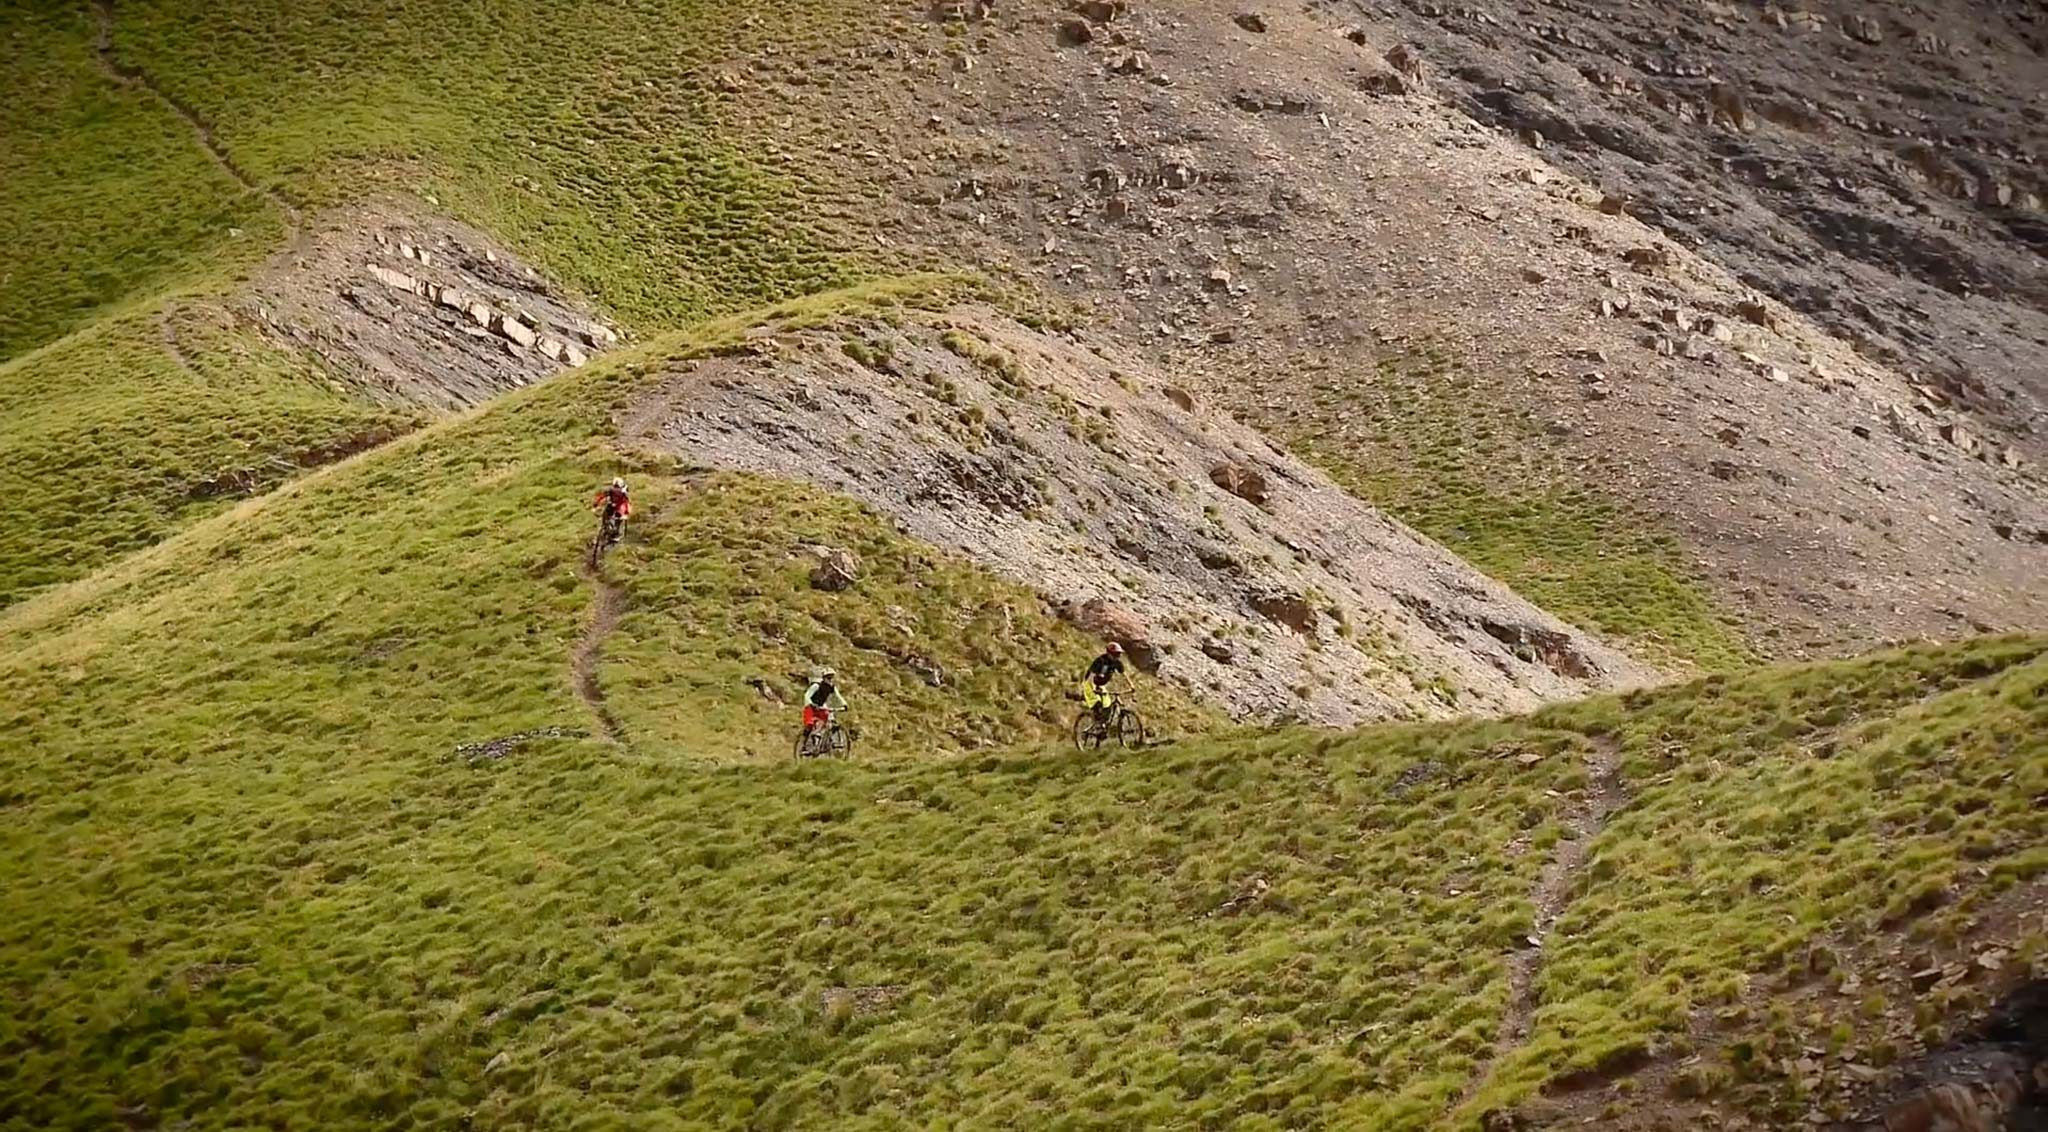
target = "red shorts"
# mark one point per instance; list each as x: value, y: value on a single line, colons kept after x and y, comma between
x: 813, y: 716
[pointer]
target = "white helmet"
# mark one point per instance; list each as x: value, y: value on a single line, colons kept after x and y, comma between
x: 618, y: 483
x: 827, y: 672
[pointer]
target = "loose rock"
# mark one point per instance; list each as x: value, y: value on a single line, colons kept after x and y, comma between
x: 396, y: 280
x: 1241, y: 481
x: 1289, y: 609
x: 1112, y: 622
x: 1099, y: 11
x: 512, y: 330
x: 835, y: 570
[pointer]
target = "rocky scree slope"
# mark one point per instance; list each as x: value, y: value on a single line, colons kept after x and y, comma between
x: 1142, y: 514
x: 1875, y: 166
x: 1280, y: 209
x: 405, y: 307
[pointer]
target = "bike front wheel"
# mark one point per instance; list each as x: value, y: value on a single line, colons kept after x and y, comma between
x: 838, y: 741
x: 1130, y: 730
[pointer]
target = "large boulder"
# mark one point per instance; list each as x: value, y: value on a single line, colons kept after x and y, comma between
x: 1111, y: 622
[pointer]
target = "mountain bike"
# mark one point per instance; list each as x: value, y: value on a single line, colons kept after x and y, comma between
x: 1116, y: 723
x: 832, y: 739
x: 610, y: 529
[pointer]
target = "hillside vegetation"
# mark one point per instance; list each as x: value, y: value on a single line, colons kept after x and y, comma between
x: 588, y: 134
x: 338, y: 789
x: 111, y: 439
x: 563, y: 129
x: 299, y: 902
x: 109, y: 197
x: 1416, y: 439
x: 257, y: 877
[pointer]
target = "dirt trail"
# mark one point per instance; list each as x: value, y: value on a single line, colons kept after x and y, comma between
x: 170, y: 336
x: 606, y: 607
x: 128, y: 75
x: 1552, y: 895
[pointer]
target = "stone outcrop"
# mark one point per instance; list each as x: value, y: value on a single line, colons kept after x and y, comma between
x: 411, y: 309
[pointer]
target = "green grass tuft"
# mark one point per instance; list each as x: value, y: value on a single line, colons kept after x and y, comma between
x: 1413, y: 441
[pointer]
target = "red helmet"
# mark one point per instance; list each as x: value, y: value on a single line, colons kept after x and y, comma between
x: 1115, y: 649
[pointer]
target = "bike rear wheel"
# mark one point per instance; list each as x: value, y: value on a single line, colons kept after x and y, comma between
x: 805, y: 741
x: 1087, y: 736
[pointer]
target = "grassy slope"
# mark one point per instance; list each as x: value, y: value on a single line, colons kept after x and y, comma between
x: 248, y: 881
x: 1780, y: 814
x: 108, y: 442
x: 585, y: 133
x: 108, y: 195
x: 567, y: 129
x: 1405, y: 437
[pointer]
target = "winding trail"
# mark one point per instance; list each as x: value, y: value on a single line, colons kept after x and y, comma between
x: 1552, y: 896
x: 135, y: 77
x: 606, y: 607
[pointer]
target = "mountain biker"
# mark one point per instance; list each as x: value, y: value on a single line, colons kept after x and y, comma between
x: 821, y: 699
x: 616, y: 505
x: 1102, y: 671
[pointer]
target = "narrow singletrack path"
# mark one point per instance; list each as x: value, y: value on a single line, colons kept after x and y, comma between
x: 606, y: 607
x: 1552, y: 896
x: 169, y: 332
x: 133, y: 76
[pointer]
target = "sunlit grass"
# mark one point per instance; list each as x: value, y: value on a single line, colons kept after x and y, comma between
x: 108, y: 195
x: 589, y: 135
x: 249, y: 879
x: 584, y: 134
x: 108, y: 442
